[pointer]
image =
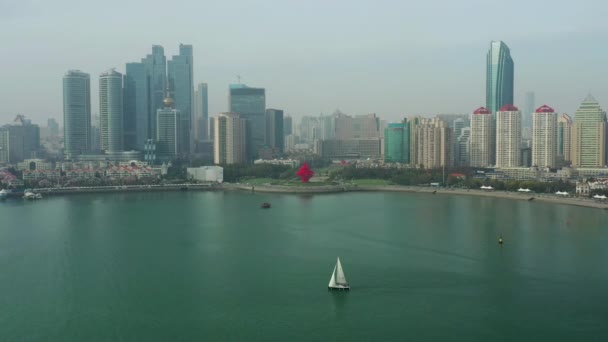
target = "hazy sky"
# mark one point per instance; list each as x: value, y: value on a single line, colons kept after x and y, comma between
x: 394, y: 58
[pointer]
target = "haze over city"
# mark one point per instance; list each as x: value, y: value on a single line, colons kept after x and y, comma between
x: 391, y: 58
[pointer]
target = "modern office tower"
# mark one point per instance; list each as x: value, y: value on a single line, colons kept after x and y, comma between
x: 359, y: 126
x: 326, y: 127
x: 250, y: 104
x: 544, y: 137
x: 589, y: 135
x: 361, y: 148
x: 434, y: 143
x: 111, y: 111
x: 211, y: 128
x: 95, y: 134
x: 201, y: 112
x: 76, y: 113
x: 527, y: 115
x: 274, y: 130
x: 508, y: 136
x: 564, y: 137
x: 229, y: 145
x: 19, y: 140
x: 482, y: 138
x: 179, y: 74
x: 462, y: 150
x: 137, y: 117
x: 457, y: 126
x: 499, y: 76
x: 397, y: 143
x: 4, y: 145
x: 526, y: 156
x: 287, y: 125
x: 168, y: 131
x: 53, y: 127
x: 156, y: 70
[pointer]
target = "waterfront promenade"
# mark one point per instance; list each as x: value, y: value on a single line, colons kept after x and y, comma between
x: 325, y: 189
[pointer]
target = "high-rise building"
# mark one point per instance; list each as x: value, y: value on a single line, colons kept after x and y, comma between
x: 95, y: 134
x: 180, y: 78
x: 482, y: 138
x: 287, y: 125
x: 111, y: 111
x: 76, y: 113
x: 499, y: 76
x: 250, y: 104
x: 53, y: 127
x: 137, y: 118
x: 359, y: 126
x: 544, y: 137
x: 589, y: 135
x: 4, y: 145
x: 156, y: 71
x: 462, y: 150
x: 508, y: 136
x: 434, y: 143
x: 19, y: 140
x: 564, y: 137
x: 529, y: 106
x: 168, y: 131
x: 413, y: 123
x: 274, y: 130
x: 397, y: 143
x: 201, y: 112
x: 229, y: 145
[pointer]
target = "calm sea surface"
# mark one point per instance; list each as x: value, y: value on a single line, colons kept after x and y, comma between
x: 213, y: 266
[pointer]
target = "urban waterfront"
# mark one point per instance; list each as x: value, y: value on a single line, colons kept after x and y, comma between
x: 211, y: 266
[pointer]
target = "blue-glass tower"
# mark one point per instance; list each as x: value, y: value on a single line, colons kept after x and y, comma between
x: 499, y: 77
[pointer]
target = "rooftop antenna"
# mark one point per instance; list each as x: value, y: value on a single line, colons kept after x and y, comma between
x: 238, y: 77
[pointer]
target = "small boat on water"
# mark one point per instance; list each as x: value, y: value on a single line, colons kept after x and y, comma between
x: 3, y: 194
x: 338, y: 280
x: 265, y: 205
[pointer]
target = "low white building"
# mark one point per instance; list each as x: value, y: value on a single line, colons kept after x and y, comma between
x: 289, y: 162
x: 206, y: 173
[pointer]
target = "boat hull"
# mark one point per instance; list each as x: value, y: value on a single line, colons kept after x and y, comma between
x: 338, y: 288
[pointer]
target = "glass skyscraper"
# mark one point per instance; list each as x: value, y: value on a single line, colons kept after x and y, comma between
x: 136, y: 111
x: 499, y: 77
x: 275, y: 137
x: 250, y: 104
x: 156, y: 70
x: 76, y: 113
x: 111, y: 111
x: 179, y: 72
x: 201, y: 112
x: 397, y: 143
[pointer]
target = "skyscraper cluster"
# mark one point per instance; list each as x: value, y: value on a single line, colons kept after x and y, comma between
x: 501, y: 136
x: 155, y: 108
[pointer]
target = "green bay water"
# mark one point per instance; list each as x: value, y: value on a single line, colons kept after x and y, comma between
x: 213, y: 266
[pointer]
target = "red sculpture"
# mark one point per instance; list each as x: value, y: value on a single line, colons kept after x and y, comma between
x: 305, y: 173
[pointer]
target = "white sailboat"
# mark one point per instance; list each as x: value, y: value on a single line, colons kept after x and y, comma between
x: 338, y: 280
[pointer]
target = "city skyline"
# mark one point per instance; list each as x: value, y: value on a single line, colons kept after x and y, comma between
x: 374, y: 68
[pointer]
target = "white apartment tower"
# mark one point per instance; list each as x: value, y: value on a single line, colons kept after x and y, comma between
x: 508, y: 136
x: 544, y: 137
x: 482, y: 138
x: 230, y: 139
x: 564, y: 137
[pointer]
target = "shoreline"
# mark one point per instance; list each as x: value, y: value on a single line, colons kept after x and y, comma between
x: 327, y: 189
x: 547, y: 198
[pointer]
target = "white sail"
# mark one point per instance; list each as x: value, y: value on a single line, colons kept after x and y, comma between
x: 332, y: 281
x: 339, y: 272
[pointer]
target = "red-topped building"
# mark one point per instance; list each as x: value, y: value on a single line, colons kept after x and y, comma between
x: 545, y: 109
x: 482, y: 110
x: 509, y: 108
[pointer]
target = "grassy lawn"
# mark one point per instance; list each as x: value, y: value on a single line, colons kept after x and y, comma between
x: 370, y: 182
